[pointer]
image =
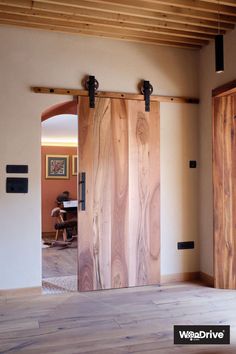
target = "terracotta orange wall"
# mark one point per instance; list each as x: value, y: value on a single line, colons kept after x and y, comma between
x: 52, y: 187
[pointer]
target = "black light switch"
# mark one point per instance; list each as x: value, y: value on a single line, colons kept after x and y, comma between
x: 192, y: 164
x: 17, y: 168
x: 17, y: 185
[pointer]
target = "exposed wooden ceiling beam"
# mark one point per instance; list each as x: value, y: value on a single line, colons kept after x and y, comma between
x: 222, y: 2
x: 7, y: 10
x: 143, y: 8
x: 214, y: 7
x: 84, y: 15
x: 98, y: 29
x: 121, y: 10
x: 126, y: 37
x: 128, y: 16
x: 183, y: 23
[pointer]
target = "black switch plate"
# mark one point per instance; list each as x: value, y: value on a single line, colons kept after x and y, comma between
x: 17, y: 185
x: 185, y: 245
x: 192, y: 164
x: 17, y: 168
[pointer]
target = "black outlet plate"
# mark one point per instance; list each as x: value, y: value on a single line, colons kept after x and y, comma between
x: 16, y: 185
x: 185, y: 245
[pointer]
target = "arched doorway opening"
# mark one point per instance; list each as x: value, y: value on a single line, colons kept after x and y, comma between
x: 59, y: 158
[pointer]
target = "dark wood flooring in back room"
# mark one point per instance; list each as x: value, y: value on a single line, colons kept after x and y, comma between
x: 133, y: 320
x: 58, y: 262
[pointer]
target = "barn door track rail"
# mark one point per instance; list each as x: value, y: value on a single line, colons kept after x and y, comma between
x: 109, y: 94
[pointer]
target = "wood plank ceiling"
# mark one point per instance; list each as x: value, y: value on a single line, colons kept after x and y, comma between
x: 181, y: 23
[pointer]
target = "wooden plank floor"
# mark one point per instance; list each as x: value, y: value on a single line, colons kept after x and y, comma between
x: 134, y: 320
x: 59, y: 262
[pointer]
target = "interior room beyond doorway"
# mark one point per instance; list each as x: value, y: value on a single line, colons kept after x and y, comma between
x: 59, y: 158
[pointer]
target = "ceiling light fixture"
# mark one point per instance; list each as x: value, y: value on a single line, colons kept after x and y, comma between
x: 59, y: 141
x: 219, y: 47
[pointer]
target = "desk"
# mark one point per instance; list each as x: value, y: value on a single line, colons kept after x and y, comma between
x: 70, y: 206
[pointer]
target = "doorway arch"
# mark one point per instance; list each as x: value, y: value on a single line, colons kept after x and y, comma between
x: 68, y: 107
x: 58, y: 278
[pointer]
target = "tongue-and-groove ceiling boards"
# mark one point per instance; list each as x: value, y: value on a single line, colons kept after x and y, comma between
x: 181, y: 23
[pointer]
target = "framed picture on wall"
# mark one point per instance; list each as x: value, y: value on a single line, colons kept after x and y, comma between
x: 74, y: 165
x: 57, y: 166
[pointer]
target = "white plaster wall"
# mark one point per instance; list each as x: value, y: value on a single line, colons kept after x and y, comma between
x: 38, y: 58
x: 208, y: 81
x: 179, y: 187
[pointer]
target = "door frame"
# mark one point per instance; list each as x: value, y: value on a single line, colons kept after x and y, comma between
x: 76, y: 93
x: 225, y: 90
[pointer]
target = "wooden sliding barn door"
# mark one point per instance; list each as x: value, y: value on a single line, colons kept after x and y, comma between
x: 119, y: 230
x: 224, y: 182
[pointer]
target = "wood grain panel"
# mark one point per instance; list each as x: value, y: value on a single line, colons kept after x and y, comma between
x: 154, y: 195
x: 217, y: 184
x: 119, y: 232
x: 120, y: 189
x: 102, y: 194
x: 144, y: 194
x: 233, y: 221
x: 227, y: 194
x: 85, y: 219
x: 94, y: 223
x: 224, y: 178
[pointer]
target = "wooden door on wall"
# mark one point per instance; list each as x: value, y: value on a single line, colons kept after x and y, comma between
x: 224, y: 186
x: 119, y: 230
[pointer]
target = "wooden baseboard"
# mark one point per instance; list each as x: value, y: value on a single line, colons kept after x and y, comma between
x: 21, y: 292
x: 187, y: 276
x: 207, y: 279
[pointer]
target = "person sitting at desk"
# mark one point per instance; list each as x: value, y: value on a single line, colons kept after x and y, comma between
x: 63, y: 197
